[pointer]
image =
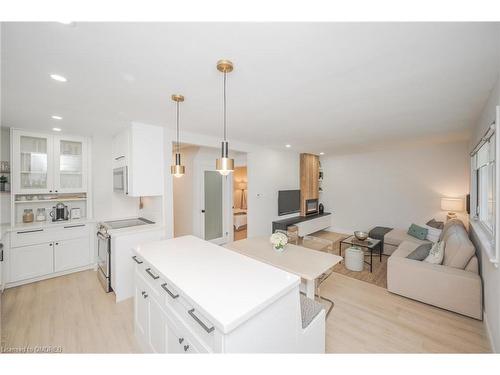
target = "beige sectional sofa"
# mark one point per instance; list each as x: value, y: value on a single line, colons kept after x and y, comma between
x: 453, y: 285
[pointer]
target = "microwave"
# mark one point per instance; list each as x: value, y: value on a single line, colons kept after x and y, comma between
x: 120, y: 180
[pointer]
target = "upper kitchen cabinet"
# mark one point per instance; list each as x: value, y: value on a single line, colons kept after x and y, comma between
x: 32, y: 169
x: 48, y: 164
x: 138, y: 155
x: 70, y: 164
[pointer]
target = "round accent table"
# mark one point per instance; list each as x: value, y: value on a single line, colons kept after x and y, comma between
x: 354, y: 259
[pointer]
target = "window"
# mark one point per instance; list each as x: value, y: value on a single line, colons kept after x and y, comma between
x: 484, y: 182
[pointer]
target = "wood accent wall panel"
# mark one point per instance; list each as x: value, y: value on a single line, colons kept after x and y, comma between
x: 309, y: 176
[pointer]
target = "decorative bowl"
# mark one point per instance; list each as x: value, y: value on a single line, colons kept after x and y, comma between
x: 362, y: 236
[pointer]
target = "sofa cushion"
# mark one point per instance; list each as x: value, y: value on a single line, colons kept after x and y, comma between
x: 459, y: 248
x: 473, y: 265
x: 396, y: 236
x: 436, y: 254
x: 435, y: 224
x: 421, y: 252
x: 418, y: 232
x: 404, y: 249
x: 450, y: 224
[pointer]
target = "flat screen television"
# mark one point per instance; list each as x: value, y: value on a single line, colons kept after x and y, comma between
x: 288, y: 202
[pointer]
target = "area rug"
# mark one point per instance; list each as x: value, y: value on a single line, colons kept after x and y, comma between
x: 378, y: 276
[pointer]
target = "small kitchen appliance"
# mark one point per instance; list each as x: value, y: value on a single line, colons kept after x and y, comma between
x: 76, y: 213
x: 59, y: 212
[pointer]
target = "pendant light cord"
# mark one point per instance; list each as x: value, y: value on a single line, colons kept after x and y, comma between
x: 178, y: 143
x: 224, y: 106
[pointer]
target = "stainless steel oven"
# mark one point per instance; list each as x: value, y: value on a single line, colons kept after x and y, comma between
x: 120, y: 180
x: 104, y: 259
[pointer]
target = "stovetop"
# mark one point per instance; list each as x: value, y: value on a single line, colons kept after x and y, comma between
x: 118, y: 224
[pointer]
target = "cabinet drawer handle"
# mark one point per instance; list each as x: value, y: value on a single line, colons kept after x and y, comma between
x: 137, y: 260
x: 164, y: 286
x: 144, y: 294
x: 119, y: 157
x: 74, y: 226
x: 193, y: 315
x: 30, y: 231
x: 186, y: 347
x: 148, y: 270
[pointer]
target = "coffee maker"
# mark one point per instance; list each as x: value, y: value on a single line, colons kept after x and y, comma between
x: 59, y: 212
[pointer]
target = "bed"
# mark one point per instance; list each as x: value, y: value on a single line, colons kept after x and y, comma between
x: 239, y: 218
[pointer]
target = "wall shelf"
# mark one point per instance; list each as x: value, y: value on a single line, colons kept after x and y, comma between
x: 52, y: 200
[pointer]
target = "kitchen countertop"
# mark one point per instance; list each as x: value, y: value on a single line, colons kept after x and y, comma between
x: 48, y: 224
x: 228, y: 287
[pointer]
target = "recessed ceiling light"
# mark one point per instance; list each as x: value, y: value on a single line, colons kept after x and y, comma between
x: 288, y: 146
x: 56, y: 129
x: 58, y: 77
x: 321, y: 153
x: 55, y: 117
x: 66, y: 22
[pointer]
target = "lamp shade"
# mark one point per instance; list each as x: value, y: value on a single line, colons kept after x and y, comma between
x: 452, y: 204
x: 241, y: 185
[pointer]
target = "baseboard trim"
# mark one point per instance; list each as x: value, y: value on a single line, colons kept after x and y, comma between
x: 50, y: 276
x: 488, y: 332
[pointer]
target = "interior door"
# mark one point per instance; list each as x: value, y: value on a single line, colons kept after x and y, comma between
x: 213, y: 226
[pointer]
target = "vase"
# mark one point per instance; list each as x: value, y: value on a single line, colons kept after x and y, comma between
x: 279, y: 248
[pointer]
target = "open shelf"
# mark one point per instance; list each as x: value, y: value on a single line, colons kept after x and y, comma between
x: 52, y: 200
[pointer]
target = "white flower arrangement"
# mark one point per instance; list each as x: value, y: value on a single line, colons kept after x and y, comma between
x: 279, y: 240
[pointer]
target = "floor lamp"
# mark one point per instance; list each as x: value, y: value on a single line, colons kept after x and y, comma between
x: 242, y: 186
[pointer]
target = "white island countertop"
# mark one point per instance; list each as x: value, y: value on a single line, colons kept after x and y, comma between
x: 228, y: 287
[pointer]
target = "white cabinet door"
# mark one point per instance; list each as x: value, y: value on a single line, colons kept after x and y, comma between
x: 70, y: 164
x: 157, y: 327
x: 32, y: 167
x: 121, y: 149
x: 141, y: 312
x: 70, y: 254
x: 31, y: 261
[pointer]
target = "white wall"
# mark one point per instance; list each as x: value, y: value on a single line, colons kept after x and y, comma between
x: 107, y: 204
x: 393, y: 187
x: 184, y: 195
x: 5, y: 156
x: 268, y: 172
x: 490, y: 274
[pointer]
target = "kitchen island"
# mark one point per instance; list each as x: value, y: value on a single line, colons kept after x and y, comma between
x: 194, y: 296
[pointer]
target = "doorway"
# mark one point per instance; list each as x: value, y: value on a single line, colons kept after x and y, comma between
x: 240, y: 207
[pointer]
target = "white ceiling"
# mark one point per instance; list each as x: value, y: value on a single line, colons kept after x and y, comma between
x: 320, y: 87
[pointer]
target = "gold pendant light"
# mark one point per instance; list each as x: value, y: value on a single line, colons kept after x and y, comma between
x: 224, y: 165
x: 178, y: 169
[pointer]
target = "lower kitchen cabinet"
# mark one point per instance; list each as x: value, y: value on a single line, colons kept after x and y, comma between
x: 40, y: 253
x: 157, y: 318
x: 141, y: 313
x: 31, y: 261
x: 154, y: 329
x: 71, y: 254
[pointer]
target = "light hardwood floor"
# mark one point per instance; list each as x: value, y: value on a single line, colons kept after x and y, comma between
x: 73, y: 312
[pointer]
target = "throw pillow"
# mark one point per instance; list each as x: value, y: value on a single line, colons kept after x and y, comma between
x: 421, y: 252
x: 433, y: 233
x: 436, y: 254
x: 435, y: 224
x: 418, y: 232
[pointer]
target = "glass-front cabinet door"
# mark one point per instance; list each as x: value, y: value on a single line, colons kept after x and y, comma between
x: 32, y: 169
x: 69, y: 165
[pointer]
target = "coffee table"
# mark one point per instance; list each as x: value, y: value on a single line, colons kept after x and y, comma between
x: 369, y: 244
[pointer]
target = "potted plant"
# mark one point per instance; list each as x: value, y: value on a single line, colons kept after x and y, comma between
x: 3, y: 181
